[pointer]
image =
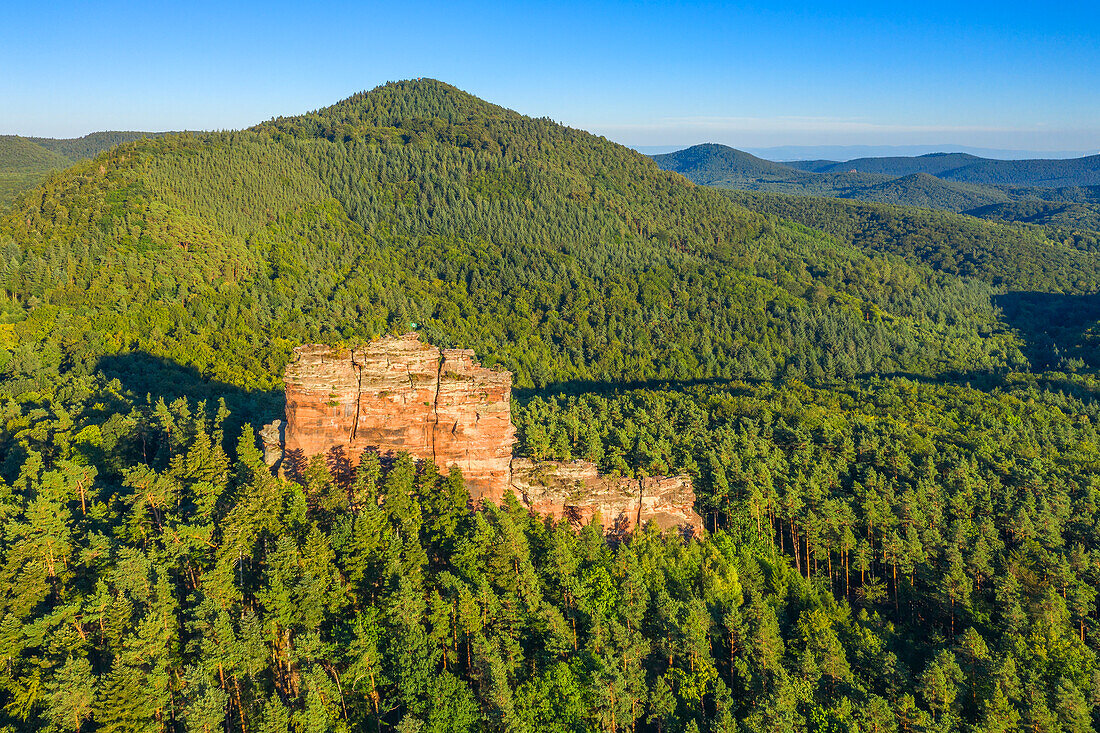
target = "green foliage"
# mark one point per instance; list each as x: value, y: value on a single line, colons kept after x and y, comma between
x: 27, y: 161
x: 1011, y: 257
x: 886, y: 552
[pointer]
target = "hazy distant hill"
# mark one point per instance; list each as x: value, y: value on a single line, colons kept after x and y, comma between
x: 836, y: 153
x: 948, y: 181
x: 935, y: 164
x: 971, y: 169
x: 25, y: 161
x: 709, y: 164
x: 719, y: 165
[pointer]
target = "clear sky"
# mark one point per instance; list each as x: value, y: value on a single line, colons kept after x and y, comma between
x: 1005, y: 75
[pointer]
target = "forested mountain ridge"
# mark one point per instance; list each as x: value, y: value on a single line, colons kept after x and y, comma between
x: 578, y: 250
x: 902, y: 504
x: 933, y: 164
x: 26, y: 161
x: 967, y: 168
x: 932, y: 181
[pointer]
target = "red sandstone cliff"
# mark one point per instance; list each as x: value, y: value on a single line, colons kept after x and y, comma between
x: 398, y: 394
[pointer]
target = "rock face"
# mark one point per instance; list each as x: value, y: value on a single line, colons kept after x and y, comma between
x: 576, y: 492
x: 398, y: 394
x: 271, y: 437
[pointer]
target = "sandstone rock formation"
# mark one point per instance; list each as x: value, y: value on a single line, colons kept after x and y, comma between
x: 272, y: 439
x: 398, y: 394
x: 576, y: 492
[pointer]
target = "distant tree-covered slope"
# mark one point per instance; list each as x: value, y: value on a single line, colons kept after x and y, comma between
x: 723, y: 166
x: 26, y: 161
x: 936, y: 164
x: 902, y: 181
x: 1052, y: 213
x: 1005, y: 255
x: 972, y: 169
x: 23, y: 164
x: 925, y: 190
x: 91, y: 145
x: 709, y: 164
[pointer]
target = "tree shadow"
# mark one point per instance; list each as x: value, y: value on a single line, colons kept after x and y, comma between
x: 153, y: 378
x: 586, y: 386
x: 1059, y: 331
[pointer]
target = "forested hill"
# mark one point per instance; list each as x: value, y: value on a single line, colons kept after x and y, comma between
x: 26, y: 161
x: 709, y: 164
x: 935, y: 164
x: 550, y: 250
x: 719, y: 161
x: 898, y: 470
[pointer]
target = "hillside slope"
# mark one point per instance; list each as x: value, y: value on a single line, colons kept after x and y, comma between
x: 1006, y: 255
x: 26, y: 161
x: 23, y: 164
x: 928, y: 191
x: 547, y: 249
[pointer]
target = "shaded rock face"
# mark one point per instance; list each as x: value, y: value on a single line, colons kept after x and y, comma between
x: 398, y: 394
x: 576, y: 492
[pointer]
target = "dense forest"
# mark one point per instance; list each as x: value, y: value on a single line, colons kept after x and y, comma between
x: 893, y: 443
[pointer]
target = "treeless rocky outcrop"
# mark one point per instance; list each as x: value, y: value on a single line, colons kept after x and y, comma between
x: 397, y: 394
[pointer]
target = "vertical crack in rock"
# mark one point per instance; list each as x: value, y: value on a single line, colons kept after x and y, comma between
x: 435, y: 404
x: 358, y: 396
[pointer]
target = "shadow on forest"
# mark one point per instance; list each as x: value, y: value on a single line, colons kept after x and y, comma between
x: 1056, y: 328
x: 586, y: 386
x: 1057, y: 331
x: 143, y: 374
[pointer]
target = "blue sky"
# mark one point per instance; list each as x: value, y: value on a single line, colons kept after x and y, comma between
x: 1009, y: 75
